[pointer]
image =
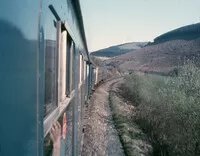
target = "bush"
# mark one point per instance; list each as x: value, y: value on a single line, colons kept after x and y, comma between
x: 168, y: 109
x: 174, y: 72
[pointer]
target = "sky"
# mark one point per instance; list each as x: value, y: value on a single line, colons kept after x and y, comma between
x: 113, y: 22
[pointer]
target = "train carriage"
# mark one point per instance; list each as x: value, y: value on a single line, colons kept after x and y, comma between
x: 45, y: 74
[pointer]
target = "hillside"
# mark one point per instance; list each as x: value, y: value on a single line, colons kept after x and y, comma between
x: 160, y: 58
x: 189, y: 32
x: 166, y: 52
x: 119, y: 49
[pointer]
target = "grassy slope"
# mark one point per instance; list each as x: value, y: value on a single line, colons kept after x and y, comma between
x: 161, y: 57
x: 167, y: 51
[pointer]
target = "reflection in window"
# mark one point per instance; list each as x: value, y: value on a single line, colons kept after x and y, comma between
x: 50, y: 63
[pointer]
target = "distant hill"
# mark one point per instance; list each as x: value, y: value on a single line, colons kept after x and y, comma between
x: 119, y: 49
x: 161, y: 57
x: 166, y: 52
x: 189, y: 32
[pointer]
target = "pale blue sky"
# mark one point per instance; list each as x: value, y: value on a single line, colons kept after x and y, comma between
x: 112, y: 22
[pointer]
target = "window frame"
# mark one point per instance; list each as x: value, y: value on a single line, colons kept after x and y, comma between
x: 62, y: 99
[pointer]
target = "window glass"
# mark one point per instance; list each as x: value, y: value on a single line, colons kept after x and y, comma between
x: 74, y: 64
x: 50, y: 62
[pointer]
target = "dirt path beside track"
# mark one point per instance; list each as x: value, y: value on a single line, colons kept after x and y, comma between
x: 100, y: 136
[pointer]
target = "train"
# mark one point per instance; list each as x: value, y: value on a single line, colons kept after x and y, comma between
x: 46, y: 75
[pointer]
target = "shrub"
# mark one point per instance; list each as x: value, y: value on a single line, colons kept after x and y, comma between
x: 174, y: 72
x: 168, y: 109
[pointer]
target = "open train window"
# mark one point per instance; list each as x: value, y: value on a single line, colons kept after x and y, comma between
x: 69, y: 65
x: 80, y: 68
x: 83, y: 69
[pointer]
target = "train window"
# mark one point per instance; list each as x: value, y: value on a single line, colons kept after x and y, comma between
x: 73, y: 67
x: 97, y: 72
x: 80, y: 67
x: 69, y: 66
x: 88, y: 69
x: 50, y: 62
x: 84, y: 74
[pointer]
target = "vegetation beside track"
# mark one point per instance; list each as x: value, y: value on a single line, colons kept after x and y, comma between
x: 134, y: 141
x: 167, y: 109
